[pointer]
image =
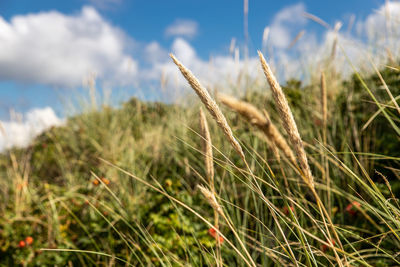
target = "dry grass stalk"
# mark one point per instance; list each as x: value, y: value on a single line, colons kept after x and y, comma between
x: 288, y: 121
x: 324, y: 103
x: 210, y: 197
x: 2, y: 130
x: 207, y: 148
x: 91, y: 83
x: 208, y: 158
x: 245, y: 109
x: 262, y: 122
x: 324, y: 111
x: 316, y: 19
x: 296, y: 39
x: 210, y: 104
x: 336, y: 29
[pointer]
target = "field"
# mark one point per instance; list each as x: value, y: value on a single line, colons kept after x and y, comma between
x: 298, y: 174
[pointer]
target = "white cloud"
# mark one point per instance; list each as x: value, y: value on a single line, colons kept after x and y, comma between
x: 183, y: 28
x: 19, y: 133
x: 60, y: 50
x: 221, y: 71
x: 376, y: 38
x: 378, y: 33
x: 381, y: 29
x: 154, y: 52
x: 380, y: 23
x: 183, y: 50
x: 301, y: 61
x: 56, y: 49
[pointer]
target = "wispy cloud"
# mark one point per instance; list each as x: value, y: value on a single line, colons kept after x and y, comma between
x: 105, y: 4
x: 182, y: 28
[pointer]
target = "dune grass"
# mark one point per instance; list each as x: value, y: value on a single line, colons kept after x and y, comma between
x: 313, y: 183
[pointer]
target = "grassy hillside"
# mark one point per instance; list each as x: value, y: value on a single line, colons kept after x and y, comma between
x: 119, y: 186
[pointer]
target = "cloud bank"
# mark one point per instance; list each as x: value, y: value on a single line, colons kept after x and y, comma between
x: 298, y: 55
x: 285, y: 24
x: 58, y: 50
x: 19, y: 133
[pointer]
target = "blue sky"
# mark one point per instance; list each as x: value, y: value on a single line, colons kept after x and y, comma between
x: 136, y: 27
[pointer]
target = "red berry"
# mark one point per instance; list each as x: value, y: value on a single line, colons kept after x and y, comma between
x: 105, y: 181
x: 29, y: 240
x: 21, y: 244
x: 353, y: 207
x: 286, y: 210
x: 325, y: 247
x: 213, y: 233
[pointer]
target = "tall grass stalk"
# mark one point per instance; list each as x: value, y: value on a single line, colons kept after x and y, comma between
x: 294, y: 136
x: 209, y: 163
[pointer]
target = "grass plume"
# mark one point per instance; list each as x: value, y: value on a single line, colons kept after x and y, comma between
x: 210, y: 104
x: 261, y: 121
x: 288, y: 121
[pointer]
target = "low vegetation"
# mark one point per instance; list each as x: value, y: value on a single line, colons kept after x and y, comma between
x: 298, y: 175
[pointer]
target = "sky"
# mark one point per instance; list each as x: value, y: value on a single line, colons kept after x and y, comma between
x: 49, y: 50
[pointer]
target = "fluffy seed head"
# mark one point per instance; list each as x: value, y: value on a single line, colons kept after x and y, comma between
x: 245, y: 109
x: 210, y: 104
x: 262, y: 122
x: 288, y: 121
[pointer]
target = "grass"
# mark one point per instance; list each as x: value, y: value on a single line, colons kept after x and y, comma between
x: 313, y: 183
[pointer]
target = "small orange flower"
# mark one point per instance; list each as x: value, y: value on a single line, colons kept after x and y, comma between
x: 22, y: 185
x: 286, y: 210
x: 324, y: 247
x: 29, y: 240
x: 317, y: 122
x: 353, y: 207
x: 95, y: 182
x: 105, y: 181
x: 21, y: 244
x: 213, y: 233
